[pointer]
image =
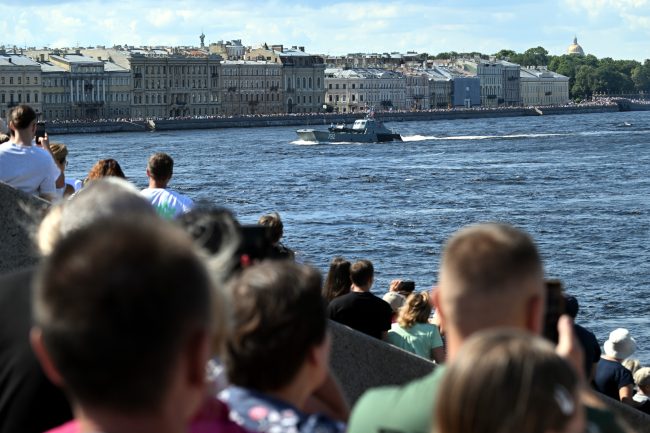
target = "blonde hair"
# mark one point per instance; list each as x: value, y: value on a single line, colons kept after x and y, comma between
x: 416, y: 309
x: 59, y: 151
x: 642, y: 377
x: 506, y: 381
x: 632, y: 364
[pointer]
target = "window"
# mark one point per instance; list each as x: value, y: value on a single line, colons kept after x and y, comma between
x: 330, y: 85
x: 344, y: 85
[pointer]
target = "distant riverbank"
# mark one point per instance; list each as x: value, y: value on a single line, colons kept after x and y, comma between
x: 253, y: 121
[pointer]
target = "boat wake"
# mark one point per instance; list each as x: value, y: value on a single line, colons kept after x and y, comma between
x: 304, y: 143
x: 417, y: 137
x: 477, y: 137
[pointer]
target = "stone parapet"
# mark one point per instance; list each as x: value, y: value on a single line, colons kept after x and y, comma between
x: 19, y: 213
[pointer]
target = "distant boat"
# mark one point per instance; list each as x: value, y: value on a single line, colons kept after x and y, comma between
x: 367, y: 130
x: 150, y: 125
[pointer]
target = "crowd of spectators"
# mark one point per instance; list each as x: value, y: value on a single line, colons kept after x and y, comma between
x: 146, y: 316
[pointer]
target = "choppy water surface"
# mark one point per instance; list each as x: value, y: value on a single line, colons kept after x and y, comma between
x: 578, y: 183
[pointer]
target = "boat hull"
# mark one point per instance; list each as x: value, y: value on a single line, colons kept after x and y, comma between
x: 345, y: 137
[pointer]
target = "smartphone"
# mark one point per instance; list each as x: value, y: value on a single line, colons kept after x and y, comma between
x: 554, y: 308
x: 255, y: 241
x: 40, y: 131
x: 406, y: 287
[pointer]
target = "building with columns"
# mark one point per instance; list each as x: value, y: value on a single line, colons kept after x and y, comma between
x: 87, y: 85
x: 20, y: 82
x: 174, y: 85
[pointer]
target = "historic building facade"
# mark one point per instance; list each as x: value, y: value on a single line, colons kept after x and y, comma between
x: 499, y: 83
x: 86, y: 85
x: 540, y: 86
x: 303, y: 76
x: 20, y: 82
x: 174, y: 85
x: 251, y: 87
x: 350, y: 90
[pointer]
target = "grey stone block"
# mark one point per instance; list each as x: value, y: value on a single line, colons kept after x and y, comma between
x: 19, y: 214
x: 360, y: 362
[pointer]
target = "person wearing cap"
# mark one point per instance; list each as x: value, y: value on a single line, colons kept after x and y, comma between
x: 612, y: 379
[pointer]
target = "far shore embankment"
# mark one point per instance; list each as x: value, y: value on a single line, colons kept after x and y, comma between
x: 253, y: 121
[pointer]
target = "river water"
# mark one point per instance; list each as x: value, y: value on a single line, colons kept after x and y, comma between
x: 578, y: 183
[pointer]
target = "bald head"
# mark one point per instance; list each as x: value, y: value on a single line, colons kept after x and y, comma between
x: 491, y: 275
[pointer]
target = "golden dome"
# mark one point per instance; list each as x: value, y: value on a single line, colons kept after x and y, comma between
x: 575, y: 48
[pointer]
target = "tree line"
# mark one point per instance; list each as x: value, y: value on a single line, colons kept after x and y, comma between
x: 587, y: 74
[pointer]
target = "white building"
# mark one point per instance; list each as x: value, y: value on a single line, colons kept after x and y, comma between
x: 350, y: 90
x: 540, y: 86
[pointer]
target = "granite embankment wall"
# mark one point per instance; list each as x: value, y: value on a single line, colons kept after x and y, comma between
x: 19, y: 214
x: 358, y: 361
x: 313, y: 119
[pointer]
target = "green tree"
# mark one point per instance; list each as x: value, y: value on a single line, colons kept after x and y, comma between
x: 641, y: 77
x: 583, y: 85
x: 535, y: 57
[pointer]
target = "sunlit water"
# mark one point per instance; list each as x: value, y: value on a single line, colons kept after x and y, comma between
x: 578, y: 183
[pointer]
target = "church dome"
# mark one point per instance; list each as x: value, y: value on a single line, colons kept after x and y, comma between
x: 575, y: 48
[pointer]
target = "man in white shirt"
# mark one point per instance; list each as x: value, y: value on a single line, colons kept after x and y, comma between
x: 25, y: 166
x: 168, y: 203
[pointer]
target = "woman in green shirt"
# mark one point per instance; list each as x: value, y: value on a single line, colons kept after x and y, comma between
x: 414, y: 333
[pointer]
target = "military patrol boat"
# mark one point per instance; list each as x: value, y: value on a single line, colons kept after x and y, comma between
x: 367, y: 130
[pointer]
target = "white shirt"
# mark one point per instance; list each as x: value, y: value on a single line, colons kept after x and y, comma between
x: 30, y: 169
x: 169, y: 204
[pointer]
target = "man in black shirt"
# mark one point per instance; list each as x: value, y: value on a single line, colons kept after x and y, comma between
x: 360, y: 309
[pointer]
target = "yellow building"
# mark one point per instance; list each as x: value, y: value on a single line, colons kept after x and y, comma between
x: 20, y: 83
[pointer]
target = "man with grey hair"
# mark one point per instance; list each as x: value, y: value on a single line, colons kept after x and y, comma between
x: 23, y: 383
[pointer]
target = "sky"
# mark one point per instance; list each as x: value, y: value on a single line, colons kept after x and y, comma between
x: 605, y: 28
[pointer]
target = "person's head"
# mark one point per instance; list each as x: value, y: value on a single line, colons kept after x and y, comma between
x: 276, y: 228
x: 218, y: 232
x: 642, y: 380
x: 337, y: 282
x: 571, y: 306
x: 160, y: 167
x: 123, y: 317
x: 395, y: 300
x: 620, y: 344
x: 509, y: 381
x: 417, y: 309
x: 279, y: 333
x: 101, y: 199
x: 105, y: 168
x: 22, y: 118
x: 362, y: 274
x: 490, y: 275
x: 60, y: 153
